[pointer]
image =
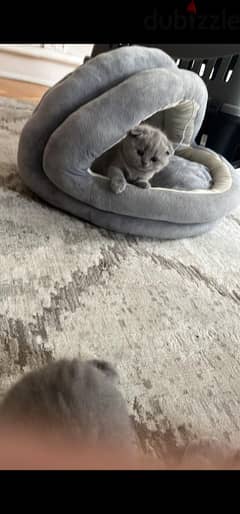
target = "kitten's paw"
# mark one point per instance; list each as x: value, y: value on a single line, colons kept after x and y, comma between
x: 118, y: 185
x: 143, y: 184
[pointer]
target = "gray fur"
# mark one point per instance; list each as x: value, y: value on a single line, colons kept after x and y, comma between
x: 74, y: 397
x: 143, y: 153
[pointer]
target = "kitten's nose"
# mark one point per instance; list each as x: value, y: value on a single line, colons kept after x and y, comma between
x: 144, y: 163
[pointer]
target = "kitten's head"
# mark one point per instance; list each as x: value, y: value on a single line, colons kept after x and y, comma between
x: 146, y: 150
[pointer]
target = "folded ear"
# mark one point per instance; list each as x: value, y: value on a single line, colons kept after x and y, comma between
x: 136, y: 131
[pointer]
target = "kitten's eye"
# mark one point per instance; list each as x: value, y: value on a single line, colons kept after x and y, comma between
x: 141, y: 153
x: 154, y: 159
x: 167, y: 153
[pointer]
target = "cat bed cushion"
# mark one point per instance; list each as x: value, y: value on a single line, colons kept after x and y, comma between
x: 90, y: 111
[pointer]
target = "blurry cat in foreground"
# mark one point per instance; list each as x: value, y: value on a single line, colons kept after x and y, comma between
x: 136, y: 159
x: 79, y: 401
x: 76, y: 399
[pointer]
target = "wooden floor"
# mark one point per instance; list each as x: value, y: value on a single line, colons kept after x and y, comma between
x: 21, y: 90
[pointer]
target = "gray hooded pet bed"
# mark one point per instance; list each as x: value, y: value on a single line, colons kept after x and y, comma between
x: 91, y: 110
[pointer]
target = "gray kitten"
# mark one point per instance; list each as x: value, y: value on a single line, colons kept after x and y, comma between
x: 78, y: 399
x: 145, y: 151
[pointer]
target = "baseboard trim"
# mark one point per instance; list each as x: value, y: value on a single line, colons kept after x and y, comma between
x: 36, y: 65
x: 26, y: 78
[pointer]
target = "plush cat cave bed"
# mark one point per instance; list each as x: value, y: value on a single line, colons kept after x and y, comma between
x: 90, y: 111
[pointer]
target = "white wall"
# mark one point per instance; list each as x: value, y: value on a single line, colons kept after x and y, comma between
x: 41, y: 63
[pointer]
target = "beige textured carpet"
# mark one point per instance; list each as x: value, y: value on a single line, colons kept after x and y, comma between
x: 167, y: 314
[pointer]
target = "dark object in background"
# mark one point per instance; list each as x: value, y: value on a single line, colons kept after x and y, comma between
x: 219, y: 67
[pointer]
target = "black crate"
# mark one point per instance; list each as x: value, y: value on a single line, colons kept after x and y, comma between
x: 219, y: 67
